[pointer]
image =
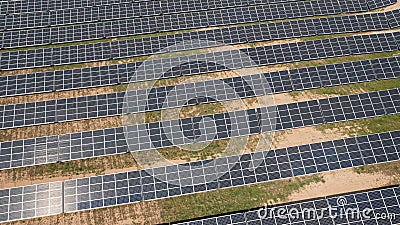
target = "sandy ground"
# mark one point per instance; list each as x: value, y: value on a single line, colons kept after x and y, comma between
x: 339, y: 182
x: 59, y: 128
x: 296, y: 137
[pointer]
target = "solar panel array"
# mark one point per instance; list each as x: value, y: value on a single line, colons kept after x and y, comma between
x: 159, y: 7
x: 233, y: 35
x: 31, y: 201
x: 194, y: 177
x: 393, y: 18
x: 375, y: 4
x: 103, y: 105
x: 65, y: 147
x: 178, y: 21
x: 336, y: 74
x: 383, y: 201
x: 246, y: 122
x: 265, y: 55
x: 47, y: 23
x: 27, y: 6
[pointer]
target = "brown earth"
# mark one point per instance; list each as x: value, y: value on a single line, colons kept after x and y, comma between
x: 339, y: 182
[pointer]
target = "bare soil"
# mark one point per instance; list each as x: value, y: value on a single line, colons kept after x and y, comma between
x: 296, y: 137
x: 342, y: 181
x: 59, y: 128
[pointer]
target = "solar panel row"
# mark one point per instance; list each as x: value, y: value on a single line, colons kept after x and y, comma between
x: 179, y: 21
x: 265, y: 55
x: 393, y: 18
x: 88, y: 144
x: 383, y: 201
x: 29, y: 6
x: 194, y: 177
x: 330, y: 75
x: 375, y: 4
x: 233, y: 35
x: 266, y: 119
x: 151, y: 99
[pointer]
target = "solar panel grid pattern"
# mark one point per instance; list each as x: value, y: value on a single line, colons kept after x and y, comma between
x: 135, y: 186
x: 185, y: 19
x: 31, y: 201
x: 65, y: 147
x: 26, y: 6
x: 276, y: 164
x: 163, y: 182
x: 303, y: 78
x: 266, y: 55
x: 82, y: 32
x: 393, y: 18
x: 143, y: 100
x: 380, y: 201
x: 375, y: 4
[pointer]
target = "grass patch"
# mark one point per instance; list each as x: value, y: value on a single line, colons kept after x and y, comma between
x: 365, y: 126
x: 342, y: 59
x: 153, y: 116
x: 211, y: 151
x: 77, y: 167
x: 202, y: 109
x: 391, y: 169
x: 232, y: 199
x: 119, y: 87
x: 358, y: 87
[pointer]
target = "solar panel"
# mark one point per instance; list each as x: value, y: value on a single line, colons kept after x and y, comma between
x: 31, y: 201
x: 90, y: 106
x: 266, y: 55
x: 375, y: 4
x: 352, y: 107
x: 373, y: 21
x: 386, y: 68
x: 18, y: 7
x: 135, y: 26
x: 390, y: 101
x: 27, y: 20
x: 178, y: 132
x: 149, y: 8
x: 393, y: 18
x: 194, y: 177
x: 240, y: 172
x: 278, y: 30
